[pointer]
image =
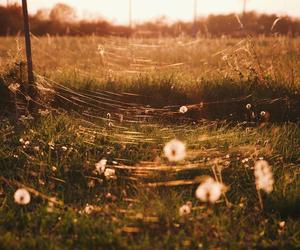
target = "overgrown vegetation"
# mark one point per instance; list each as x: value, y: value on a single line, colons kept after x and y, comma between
x: 120, y: 100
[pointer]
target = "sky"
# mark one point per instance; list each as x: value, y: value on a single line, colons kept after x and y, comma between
x: 143, y: 10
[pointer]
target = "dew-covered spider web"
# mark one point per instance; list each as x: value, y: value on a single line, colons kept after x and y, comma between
x: 125, y: 117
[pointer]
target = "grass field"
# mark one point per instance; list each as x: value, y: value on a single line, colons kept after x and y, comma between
x: 119, y: 99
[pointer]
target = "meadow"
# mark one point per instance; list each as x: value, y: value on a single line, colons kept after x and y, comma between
x: 232, y: 102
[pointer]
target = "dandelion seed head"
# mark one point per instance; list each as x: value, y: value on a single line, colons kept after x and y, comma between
x: 88, y: 209
x: 110, y: 173
x: 175, y: 150
x: 14, y: 87
x: 22, y: 196
x: 183, y: 109
x: 101, y: 165
x: 184, y: 210
x: 44, y: 112
x: 209, y: 190
x: 281, y: 224
x: 263, y: 176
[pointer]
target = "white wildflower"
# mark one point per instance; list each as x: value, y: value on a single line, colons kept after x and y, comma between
x: 262, y: 113
x: 14, y: 87
x: 64, y: 148
x: 110, y: 173
x: 183, y: 109
x: 248, y: 106
x: 175, y: 150
x: 88, y: 209
x: 44, y: 112
x: 100, y: 50
x: 22, y: 196
x: 184, y: 210
x: 281, y: 224
x: 100, y: 166
x: 51, y: 144
x: 50, y: 207
x: 210, y: 190
x: 263, y: 176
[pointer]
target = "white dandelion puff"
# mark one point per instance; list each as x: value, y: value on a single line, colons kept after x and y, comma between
x: 88, y: 209
x: 263, y: 176
x: 22, y: 196
x: 263, y: 113
x: 14, y: 87
x: 183, y: 109
x: 248, y: 106
x: 210, y: 190
x: 184, y: 210
x: 281, y: 224
x: 100, y: 166
x: 110, y: 173
x: 175, y: 150
x: 51, y: 144
x: 44, y: 112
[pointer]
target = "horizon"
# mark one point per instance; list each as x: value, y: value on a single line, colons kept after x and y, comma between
x: 167, y: 9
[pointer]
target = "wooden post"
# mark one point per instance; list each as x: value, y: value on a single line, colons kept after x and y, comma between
x: 30, y: 89
x: 244, y: 7
x: 130, y: 13
x: 195, y: 11
x: 195, y: 17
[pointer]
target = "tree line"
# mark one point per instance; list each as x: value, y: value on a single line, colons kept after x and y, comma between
x: 61, y: 20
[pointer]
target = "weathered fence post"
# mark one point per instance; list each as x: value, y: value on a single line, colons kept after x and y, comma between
x: 130, y: 14
x: 195, y: 28
x: 30, y: 88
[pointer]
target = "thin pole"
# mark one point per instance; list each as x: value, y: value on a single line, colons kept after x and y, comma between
x: 28, y: 44
x: 130, y: 13
x: 195, y: 11
x: 30, y: 89
x: 245, y: 7
x: 195, y: 16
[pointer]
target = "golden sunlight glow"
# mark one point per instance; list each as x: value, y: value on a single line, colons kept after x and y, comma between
x: 118, y: 10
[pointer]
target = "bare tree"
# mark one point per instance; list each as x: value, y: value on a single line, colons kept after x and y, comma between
x: 63, y: 13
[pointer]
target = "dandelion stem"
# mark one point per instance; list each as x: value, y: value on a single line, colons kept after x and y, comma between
x: 260, y: 199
